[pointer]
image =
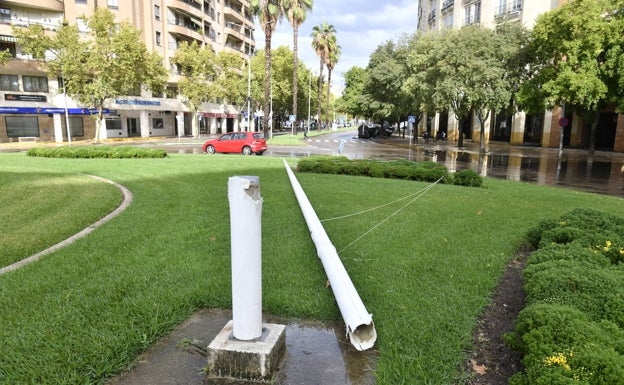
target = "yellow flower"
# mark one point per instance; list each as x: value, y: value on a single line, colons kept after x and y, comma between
x: 558, y: 359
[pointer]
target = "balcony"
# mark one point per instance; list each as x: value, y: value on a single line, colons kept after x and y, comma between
x: 432, y: 16
x: 447, y: 6
x: 509, y: 10
x: 49, y: 5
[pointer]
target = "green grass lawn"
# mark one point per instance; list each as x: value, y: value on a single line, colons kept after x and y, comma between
x: 84, y: 313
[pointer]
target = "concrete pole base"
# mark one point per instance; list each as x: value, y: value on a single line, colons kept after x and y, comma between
x: 256, y: 360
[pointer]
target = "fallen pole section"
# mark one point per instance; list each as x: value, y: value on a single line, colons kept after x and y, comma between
x: 359, y: 322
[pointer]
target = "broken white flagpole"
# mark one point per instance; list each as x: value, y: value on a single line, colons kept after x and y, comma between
x: 359, y: 322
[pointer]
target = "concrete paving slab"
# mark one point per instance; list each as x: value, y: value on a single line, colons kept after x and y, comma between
x: 316, y: 353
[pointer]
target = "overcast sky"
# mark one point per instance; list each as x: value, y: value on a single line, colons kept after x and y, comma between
x: 361, y: 26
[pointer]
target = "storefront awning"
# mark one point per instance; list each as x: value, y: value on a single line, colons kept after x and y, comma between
x: 10, y: 39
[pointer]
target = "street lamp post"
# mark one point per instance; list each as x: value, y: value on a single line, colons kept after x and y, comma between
x: 249, y: 128
x: 307, y: 128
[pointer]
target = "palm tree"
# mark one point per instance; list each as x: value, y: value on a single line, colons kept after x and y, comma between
x: 269, y: 12
x: 332, y: 60
x: 321, y: 38
x: 296, y: 14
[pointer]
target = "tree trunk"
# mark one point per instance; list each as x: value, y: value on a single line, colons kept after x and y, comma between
x: 592, y: 137
x: 99, y: 121
x: 482, y: 118
x: 98, y: 125
x: 329, y: 72
x: 460, y: 139
x: 320, y: 93
x: 194, y: 128
x: 482, y: 137
x: 295, y: 65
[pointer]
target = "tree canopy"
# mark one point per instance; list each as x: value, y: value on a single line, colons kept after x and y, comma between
x: 578, y: 60
x: 108, y: 61
x: 464, y: 70
x: 208, y: 76
x: 269, y: 12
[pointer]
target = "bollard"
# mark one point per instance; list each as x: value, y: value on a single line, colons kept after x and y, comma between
x: 246, y: 243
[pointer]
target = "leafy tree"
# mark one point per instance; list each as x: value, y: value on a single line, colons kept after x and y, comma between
x: 579, y: 60
x: 387, y: 72
x: 109, y: 62
x: 282, y: 63
x: 332, y: 59
x: 269, y: 13
x: 207, y: 76
x: 351, y: 101
x: 323, y: 36
x: 464, y: 69
x: 5, y: 55
x: 296, y: 11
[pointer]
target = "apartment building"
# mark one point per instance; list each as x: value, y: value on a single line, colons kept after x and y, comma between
x: 32, y: 103
x: 543, y: 130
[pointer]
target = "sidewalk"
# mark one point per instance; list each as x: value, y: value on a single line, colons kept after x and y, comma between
x: 316, y: 353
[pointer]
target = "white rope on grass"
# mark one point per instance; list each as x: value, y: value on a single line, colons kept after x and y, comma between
x: 420, y: 194
x: 374, y: 208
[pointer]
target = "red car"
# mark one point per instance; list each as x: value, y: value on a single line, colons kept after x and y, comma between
x: 246, y: 143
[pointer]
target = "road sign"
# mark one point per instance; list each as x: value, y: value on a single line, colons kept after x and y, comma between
x: 564, y: 121
x: 411, y: 119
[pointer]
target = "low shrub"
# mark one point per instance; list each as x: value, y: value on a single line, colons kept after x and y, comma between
x: 577, y: 225
x: 397, y: 169
x: 569, y: 252
x: 572, y: 330
x: 595, y: 290
x: 561, y: 345
x: 97, y: 152
x: 467, y: 178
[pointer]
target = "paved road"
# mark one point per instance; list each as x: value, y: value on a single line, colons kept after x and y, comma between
x: 522, y: 163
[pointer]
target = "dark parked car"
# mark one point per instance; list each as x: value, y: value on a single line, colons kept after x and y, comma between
x: 246, y: 143
x: 366, y: 131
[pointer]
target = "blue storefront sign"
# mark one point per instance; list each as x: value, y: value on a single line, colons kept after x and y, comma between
x: 50, y: 110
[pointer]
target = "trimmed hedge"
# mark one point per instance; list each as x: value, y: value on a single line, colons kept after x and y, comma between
x: 396, y: 169
x: 572, y: 329
x: 116, y: 152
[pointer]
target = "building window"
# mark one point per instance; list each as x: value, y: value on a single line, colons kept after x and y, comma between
x: 447, y: 21
x: 76, y: 126
x: 113, y: 124
x: 82, y: 25
x: 35, y: 83
x: 158, y: 39
x: 157, y: 123
x: 5, y: 15
x: 9, y: 83
x: 171, y: 92
x: 473, y: 14
x: 17, y: 126
x: 114, y: 4
x: 135, y: 91
x: 157, y: 11
x: 81, y: 1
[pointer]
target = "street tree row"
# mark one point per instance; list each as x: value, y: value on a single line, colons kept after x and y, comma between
x: 573, y: 57
x: 112, y: 61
